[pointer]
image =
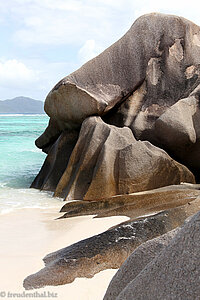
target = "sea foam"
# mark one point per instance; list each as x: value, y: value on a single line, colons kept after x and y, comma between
x: 12, y: 199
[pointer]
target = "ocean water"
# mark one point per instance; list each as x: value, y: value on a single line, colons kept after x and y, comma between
x: 20, y: 161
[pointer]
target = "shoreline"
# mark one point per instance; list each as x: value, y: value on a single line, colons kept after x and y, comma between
x: 27, y: 235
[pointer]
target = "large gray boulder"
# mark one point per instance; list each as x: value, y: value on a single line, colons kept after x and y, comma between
x: 156, y: 63
x: 170, y: 271
x: 107, y: 120
x: 136, y: 262
x: 106, y: 161
x: 178, y: 130
x: 148, y: 81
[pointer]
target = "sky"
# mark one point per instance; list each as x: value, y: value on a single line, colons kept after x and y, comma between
x: 43, y: 41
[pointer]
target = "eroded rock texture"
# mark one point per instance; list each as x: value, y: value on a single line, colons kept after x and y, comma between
x: 111, y: 248
x: 106, y: 161
x: 147, y: 81
x: 156, y: 62
x: 178, y: 130
x: 110, y: 124
x: 169, y: 268
x: 92, y: 255
x: 57, y: 159
x: 135, y: 204
x: 138, y: 260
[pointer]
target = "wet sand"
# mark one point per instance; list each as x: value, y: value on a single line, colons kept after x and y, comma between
x: 27, y: 235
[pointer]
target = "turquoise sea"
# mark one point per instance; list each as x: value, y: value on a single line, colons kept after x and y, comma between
x: 20, y: 161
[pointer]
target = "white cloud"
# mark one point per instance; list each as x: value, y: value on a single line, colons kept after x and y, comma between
x: 61, y: 22
x: 184, y: 8
x: 89, y: 50
x: 67, y: 22
x: 73, y: 22
x: 84, y: 27
x: 33, y: 78
x: 64, y: 22
x: 14, y: 72
x: 17, y: 79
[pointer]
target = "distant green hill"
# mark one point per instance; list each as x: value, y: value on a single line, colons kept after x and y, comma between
x: 21, y: 105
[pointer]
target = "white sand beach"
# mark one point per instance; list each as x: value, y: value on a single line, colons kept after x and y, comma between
x: 28, y: 234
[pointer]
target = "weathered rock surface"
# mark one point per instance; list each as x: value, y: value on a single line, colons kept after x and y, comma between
x: 56, y: 161
x: 107, y: 120
x: 109, y: 249
x: 156, y: 63
x: 50, y: 135
x: 106, y: 161
x: 90, y: 256
x: 171, y: 73
x: 136, y: 262
x: 138, y: 83
x: 174, y: 272
x: 178, y: 130
x: 135, y: 204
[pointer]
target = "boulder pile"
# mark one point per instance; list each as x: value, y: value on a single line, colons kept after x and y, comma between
x: 144, y: 92
x: 123, y: 136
